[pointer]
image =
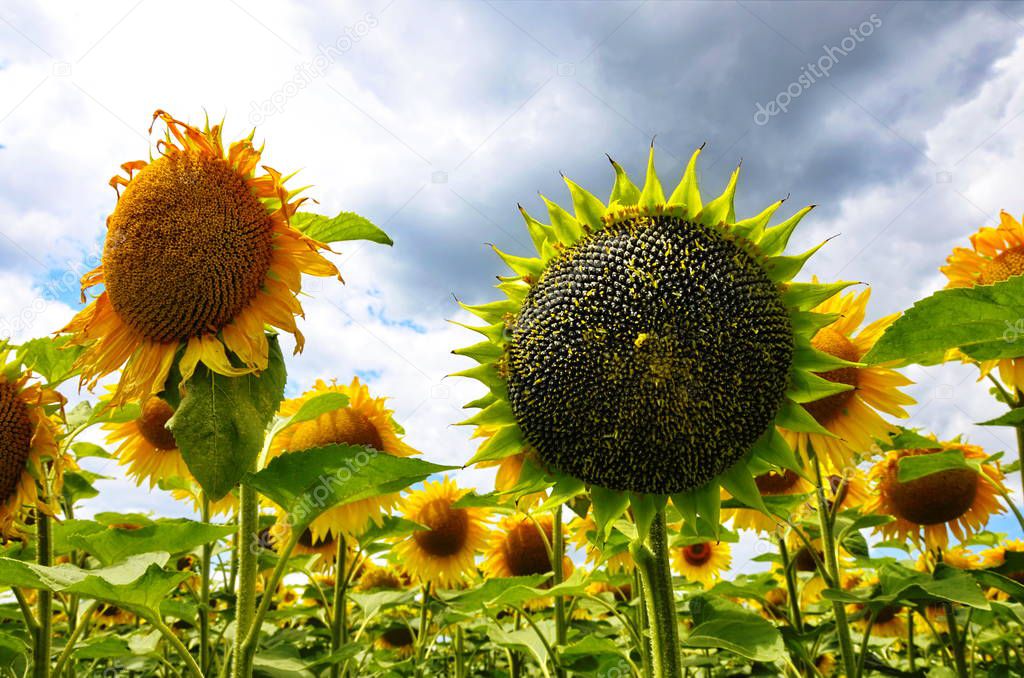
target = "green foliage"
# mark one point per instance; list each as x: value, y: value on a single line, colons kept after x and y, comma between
x: 343, y: 227
x: 221, y: 422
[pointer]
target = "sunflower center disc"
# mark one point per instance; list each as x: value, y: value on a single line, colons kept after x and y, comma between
x: 932, y: 499
x: 448, y: 528
x: 306, y: 539
x: 188, y: 247
x: 649, y: 357
x: 15, y: 439
x: 398, y: 636
x: 773, y: 483
x: 340, y: 427
x: 697, y: 554
x: 152, y: 424
x: 828, y: 340
x: 1003, y: 266
x: 526, y: 552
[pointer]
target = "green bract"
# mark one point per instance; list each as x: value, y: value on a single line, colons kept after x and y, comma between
x: 652, y: 343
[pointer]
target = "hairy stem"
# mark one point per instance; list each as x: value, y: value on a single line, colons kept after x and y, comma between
x: 248, y: 570
x: 44, y: 602
x: 557, y: 553
x: 661, y: 605
x: 339, y: 619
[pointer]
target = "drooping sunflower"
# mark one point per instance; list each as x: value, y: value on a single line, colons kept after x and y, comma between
x: 995, y: 255
x: 309, y: 544
x: 146, y: 447
x: 375, y: 577
x: 957, y: 500
x: 996, y: 556
x: 890, y: 620
x: 108, y: 616
x: 444, y: 554
x: 702, y: 562
x: 770, y: 484
x: 364, y: 421
x: 28, y: 446
x: 199, y: 257
x: 399, y: 639
x: 653, y: 342
x: 956, y: 556
x: 853, y: 415
x: 519, y: 547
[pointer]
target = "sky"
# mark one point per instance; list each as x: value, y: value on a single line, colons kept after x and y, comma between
x: 900, y: 121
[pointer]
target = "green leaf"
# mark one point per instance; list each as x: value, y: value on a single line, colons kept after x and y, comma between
x: 1014, y: 417
x: 314, y: 407
x: 139, y: 583
x: 719, y: 623
x: 221, y: 422
x: 308, y: 483
x: 608, y: 506
x: 78, y: 485
x: 113, y: 545
x: 921, y: 465
x: 491, y: 590
x: 345, y: 226
x: 50, y: 357
x: 908, y: 439
x: 983, y: 321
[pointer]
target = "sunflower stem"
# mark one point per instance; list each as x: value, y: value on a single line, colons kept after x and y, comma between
x: 955, y: 641
x: 248, y: 570
x: 247, y: 650
x: 644, y: 647
x: 339, y: 620
x: 179, y: 647
x: 204, y: 592
x: 911, y: 647
x: 73, y: 637
x: 557, y: 554
x: 44, y: 601
x: 828, y: 544
x: 791, y: 591
x: 421, y: 632
x: 460, y: 661
x: 653, y: 563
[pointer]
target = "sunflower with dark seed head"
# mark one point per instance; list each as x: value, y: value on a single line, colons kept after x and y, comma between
x: 444, y: 553
x: 199, y: 257
x: 365, y: 421
x: 27, y: 444
x: 780, y: 483
x: 703, y: 562
x: 995, y: 255
x: 653, y: 343
x: 852, y: 416
x: 308, y: 544
x: 957, y: 500
x: 399, y: 639
x: 521, y: 547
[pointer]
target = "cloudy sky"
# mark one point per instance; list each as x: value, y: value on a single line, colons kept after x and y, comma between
x: 901, y: 121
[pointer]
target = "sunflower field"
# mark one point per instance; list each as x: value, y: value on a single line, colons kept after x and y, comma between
x: 657, y: 378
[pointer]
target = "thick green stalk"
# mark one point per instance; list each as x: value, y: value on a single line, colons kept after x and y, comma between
x: 791, y: 590
x: 557, y: 554
x: 204, y: 594
x: 954, y: 639
x: 73, y: 637
x: 247, y: 650
x: 339, y: 620
x: 829, y: 549
x: 460, y: 654
x: 179, y: 647
x: 641, y: 623
x: 660, y: 599
x: 248, y: 570
x: 44, y: 602
x: 911, y: 647
x: 421, y: 632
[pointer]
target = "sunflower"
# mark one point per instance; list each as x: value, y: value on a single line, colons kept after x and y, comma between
x: 444, y: 554
x: 995, y: 255
x: 364, y: 421
x: 27, y: 442
x: 199, y: 257
x: 996, y: 556
x: 193, y: 493
x: 520, y: 547
x: 771, y: 484
x: 108, y: 616
x: 653, y: 342
x: 956, y: 556
x: 375, y: 578
x: 308, y: 544
x: 399, y: 639
x: 146, y: 447
x: 826, y: 664
x: 702, y: 562
x: 615, y: 557
x: 890, y: 620
x: 957, y: 499
x: 853, y: 415
x: 510, y: 473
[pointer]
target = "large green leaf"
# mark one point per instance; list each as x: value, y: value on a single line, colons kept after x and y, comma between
x: 50, y: 357
x: 139, y: 583
x: 1014, y: 417
x: 113, y: 545
x: 921, y: 465
x: 308, y: 483
x: 221, y: 422
x: 345, y: 226
x: 982, y: 321
x: 720, y: 623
